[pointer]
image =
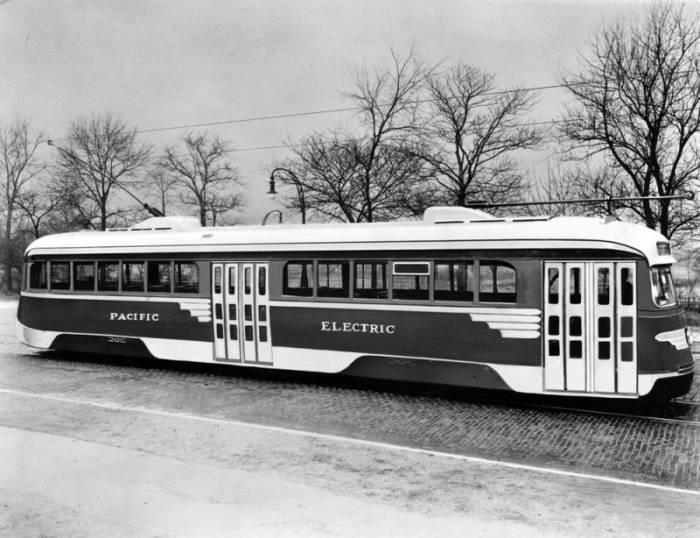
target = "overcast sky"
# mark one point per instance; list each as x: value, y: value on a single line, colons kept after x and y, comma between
x: 160, y: 64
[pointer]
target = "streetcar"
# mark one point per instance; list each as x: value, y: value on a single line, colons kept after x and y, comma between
x: 575, y: 306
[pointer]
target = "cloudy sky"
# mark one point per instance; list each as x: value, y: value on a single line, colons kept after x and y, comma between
x: 168, y: 63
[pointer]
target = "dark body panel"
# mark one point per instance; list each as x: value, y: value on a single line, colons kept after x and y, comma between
x: 420, y: 371
x: 69, y: 314
x: 415, y: 334
x: 655, y: 356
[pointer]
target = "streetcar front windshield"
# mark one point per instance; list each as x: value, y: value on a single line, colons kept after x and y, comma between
x: 662, y: 288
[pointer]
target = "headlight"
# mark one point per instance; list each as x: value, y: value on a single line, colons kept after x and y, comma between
x: 663, y: 248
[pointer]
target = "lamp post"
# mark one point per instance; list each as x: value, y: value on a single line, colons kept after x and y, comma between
x: 297, y: 184
x: 269, y: 213
x: 72, y: 156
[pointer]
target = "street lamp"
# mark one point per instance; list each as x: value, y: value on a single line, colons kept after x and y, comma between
x: 72, y: 156
x: 297, y: 184
x: 269, y: 213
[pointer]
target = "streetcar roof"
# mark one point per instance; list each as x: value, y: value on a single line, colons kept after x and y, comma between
x: 447, y: 229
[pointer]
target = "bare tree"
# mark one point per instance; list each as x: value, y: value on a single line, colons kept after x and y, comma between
x: 327, y: 173
x: 37, y: 206
x: 471, y: 133
x: 387, y: 100
x: 330, y: 174
x: 200, y: 165
x: 579, y: 183
x: 163, y: 184
x: 637, y: 103
x: 366, y: 173
x: 101, y: 155
x: 18, y: 166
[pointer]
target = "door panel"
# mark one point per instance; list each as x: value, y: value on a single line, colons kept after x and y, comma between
x: 262, y: 313
x: 231, y: 288
x: 553, y: 326
x: 603, y: 352
x: 217, y: 295
x: 626, y: 327
x: 248, y: 303
x: 575, y: 327
x: 241, y: 312
x: 590, y: 325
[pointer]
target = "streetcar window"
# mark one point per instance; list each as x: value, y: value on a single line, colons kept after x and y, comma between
x: 410, y: 281
x: 333, y: 279
x: 553, y: 348
x: 627, y: 351
x: 662, y: 289
x: 412, y: 268
x: 107, y: 276
x: 186, y: 277
x: 575, y: 285
x: 217, y: 280
x: 232, y: 280
x: 370, y: 280
x: 553, y: 278
x: 627, y: 286
x: 603, y: 286
x: 575, y: 349
x: 159, y: 276
x: 132, y: 276
x: 60, y: 275
x: 298, y: 279
x: 84, y: 276
x: 575, y: 326
x: 496, y: 282
x: 410, y: 287
x: 37, y: 276
x: 262, y: 281
x: 454, y: 281
x: 626, y: 326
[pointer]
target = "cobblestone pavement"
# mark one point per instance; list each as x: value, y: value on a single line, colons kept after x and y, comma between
x: 633, y: 448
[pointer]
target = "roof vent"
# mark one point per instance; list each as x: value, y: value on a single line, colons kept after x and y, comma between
x: 167, y: 223
x: 447, y: 215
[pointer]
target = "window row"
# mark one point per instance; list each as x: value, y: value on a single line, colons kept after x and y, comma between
x: 603, y: 284
x: 460, y: 280
x: 115, y: 276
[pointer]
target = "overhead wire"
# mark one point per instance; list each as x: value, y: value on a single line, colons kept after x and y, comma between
x: 341, y: 110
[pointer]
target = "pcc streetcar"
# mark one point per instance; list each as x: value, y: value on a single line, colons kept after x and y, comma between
x: 567, y: 305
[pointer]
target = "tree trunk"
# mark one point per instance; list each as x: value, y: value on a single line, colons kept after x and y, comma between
x: 7, y: 262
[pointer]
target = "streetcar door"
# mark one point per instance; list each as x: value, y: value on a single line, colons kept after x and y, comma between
x: 603, y: 354
x: 626, y: 327
x: 262, y: 313
x: 240, y: 300
x: 554, y: 326
x: 248, y: 309
x: 576, y: 350
x: 590, y: 327
x: 231, y: 312
x: 217, y: 302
